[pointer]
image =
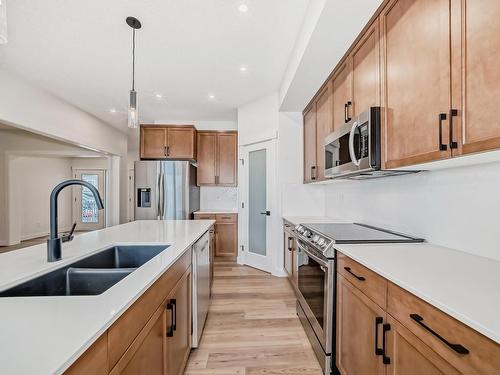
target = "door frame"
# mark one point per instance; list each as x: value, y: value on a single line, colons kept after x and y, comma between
x: 264, y: 263
x: 76, y: 193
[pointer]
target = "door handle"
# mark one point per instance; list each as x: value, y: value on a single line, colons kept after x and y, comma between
x: 173, y: 312
x: 267, y: 213
x: 442, y: 146
x: 385, y: 359
x: 360, y: 278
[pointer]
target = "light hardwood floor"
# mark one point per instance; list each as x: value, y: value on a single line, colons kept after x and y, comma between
x: 252, y: 327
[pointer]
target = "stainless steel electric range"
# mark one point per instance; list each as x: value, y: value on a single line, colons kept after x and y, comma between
x: 316, y: 302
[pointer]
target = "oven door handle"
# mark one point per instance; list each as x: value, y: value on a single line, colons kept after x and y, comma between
x: 309, y: 254
x: 354, y: 160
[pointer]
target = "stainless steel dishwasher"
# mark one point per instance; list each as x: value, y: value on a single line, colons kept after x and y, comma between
x: 201, y: 286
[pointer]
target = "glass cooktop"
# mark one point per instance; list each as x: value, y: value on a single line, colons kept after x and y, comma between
x: 359, y: 233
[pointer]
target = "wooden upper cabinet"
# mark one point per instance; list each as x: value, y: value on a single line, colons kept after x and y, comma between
x: 153, y: 142
x: 416, y: 79
x: 207, y: 156
x: 365, y: 74
x: 181, y: 143
x: 227, y: 156
x: 217, y: 158
x: 168, y: 142
x: 476, y: 71
x: 341, y: 95
x: 310, y: 144
x: 324, y: 126
x: 359, y: 322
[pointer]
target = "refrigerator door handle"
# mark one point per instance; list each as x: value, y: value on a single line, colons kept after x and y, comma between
x: 158, y: 196
x: 162, y: 192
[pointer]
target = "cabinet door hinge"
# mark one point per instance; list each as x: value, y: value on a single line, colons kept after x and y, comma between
x: 242, y: 161
x: 242, y: 248
x: 242, y: 204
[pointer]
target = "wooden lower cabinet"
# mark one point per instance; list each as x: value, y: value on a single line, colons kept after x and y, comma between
x: 402, y: 334
x: 410, y: 356
x: 359, y: 321
x: 290, y: 253
x: 152, y: 337
x: 225, y: 233
x: 178, y: 341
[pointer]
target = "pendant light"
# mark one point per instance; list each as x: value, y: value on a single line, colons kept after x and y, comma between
x: 133, y: 113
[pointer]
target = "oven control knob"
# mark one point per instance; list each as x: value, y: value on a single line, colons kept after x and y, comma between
x: 321, y: 242
x: 308, y: 234
x: 315, y: 238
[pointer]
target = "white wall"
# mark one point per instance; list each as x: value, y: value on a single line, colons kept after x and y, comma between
x: 258, y: 120
x: 457, y: 208
x: 31, y: 181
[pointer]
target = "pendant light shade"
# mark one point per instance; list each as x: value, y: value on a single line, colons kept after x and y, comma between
x: 133, y: 112
x: 3, y: 21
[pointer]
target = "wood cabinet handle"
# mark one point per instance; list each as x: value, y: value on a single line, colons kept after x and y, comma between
x: 171, y: 305
x: 442, y: 146
x: 290, y: 246
x: 313, y: 172
x: 165, y: 150
x: 168, y: 150
x: 378, y: 351
x: 385, y: 359
x: 455, y: 347
x: 360, y: 278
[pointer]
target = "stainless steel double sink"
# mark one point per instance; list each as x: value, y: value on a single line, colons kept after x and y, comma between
x: 92, y: 275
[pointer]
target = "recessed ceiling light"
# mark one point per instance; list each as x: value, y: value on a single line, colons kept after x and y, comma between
x: 112, y: 110
x: 243, y: 8
x: 243, y: 68
x: 211, y: 96
x: 159, y: 96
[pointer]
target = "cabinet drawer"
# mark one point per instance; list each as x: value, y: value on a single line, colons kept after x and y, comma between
x: 371, y: 284
x: 227, y: 218
x: 123, y: 332
x: 420, y: 318
x: 204, y: 216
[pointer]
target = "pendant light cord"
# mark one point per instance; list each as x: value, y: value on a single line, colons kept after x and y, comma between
x: 133, y: 60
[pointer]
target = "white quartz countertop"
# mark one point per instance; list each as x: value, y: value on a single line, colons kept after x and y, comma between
x: 45, y: 335
x: 215, y: 211
x: 463, y: 285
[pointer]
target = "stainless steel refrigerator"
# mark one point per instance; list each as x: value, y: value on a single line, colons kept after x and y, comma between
x: 165, y: 190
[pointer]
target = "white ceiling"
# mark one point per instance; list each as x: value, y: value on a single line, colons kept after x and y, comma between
x: 80, y: 50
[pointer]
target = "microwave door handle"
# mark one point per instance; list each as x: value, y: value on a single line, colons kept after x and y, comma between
x: 351, y: 144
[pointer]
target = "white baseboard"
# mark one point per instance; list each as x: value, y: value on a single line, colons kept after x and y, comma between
x: 279, y: 273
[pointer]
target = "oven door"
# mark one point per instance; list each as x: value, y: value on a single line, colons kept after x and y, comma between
x: 316, y: 286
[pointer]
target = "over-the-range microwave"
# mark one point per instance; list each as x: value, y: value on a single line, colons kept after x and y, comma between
x: 354, y: 150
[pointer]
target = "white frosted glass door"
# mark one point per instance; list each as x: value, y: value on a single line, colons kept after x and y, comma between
x: 257, y: 184
x: 257, y: 202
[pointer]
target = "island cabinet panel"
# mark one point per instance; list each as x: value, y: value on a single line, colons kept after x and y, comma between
x: 476, y: 39
x: 416, y: 81
x: 310, y: 138
x: 365, y: 74
x: 175, y: 142
x: 217, y: 158
x: 359, y: 322
x: 178, y: 332
x: 123, y: 332
x: 94, y: 360
x: 146, y: 354
x: 324, y: 126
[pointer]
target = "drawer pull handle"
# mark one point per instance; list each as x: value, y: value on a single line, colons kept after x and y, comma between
x: 385, y: 359
x: 172, y: 306
x: 378, y: 320
x: 360, y: 278
x: 456, y: 347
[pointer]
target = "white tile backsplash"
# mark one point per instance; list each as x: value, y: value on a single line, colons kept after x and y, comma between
x: 218, y: 198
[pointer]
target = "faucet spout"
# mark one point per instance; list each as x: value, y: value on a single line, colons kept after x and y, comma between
x: 54, y: 243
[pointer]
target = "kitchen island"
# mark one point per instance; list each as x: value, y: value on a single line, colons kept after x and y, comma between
x: 46, y: 335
